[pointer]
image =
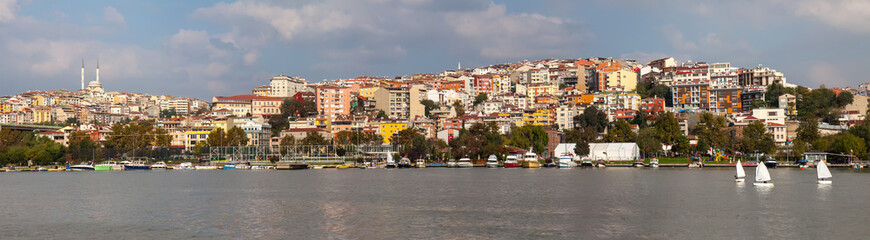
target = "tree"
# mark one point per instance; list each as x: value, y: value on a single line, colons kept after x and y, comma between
x: 291, y: 108
x: 667, y: 128
x: 459, y: 108
x: 217, y: 138
x: 478, y: 140
x: 771, y: 95
x: 382, y: 115
x: 711, y: 132
x: 591, y: 118
x: 480, y: 98
x: 314, y: 138
x: 236, y: 137
x: 757, y: 139
x: 620, y: 131
x: 168, y: 113
x: 582, y: 148
x: 648, y: 142
x: 529, y: 136
x: 847, y: 143
x: 288, y: 140
x: 71, y: 121
x: 808, y: 130
x: 428, y: 105
x: 137, y: 135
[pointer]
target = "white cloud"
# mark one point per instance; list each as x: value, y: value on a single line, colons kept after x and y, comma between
x: 676, y: 39
x: 114, y: 17
x: 251, y: 57
x: 7, y: 10
x: 195, y: 43
x: 828, y: 74
x: 850, y: 15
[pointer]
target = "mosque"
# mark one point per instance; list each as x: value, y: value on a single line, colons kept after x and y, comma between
x: 94, y: 86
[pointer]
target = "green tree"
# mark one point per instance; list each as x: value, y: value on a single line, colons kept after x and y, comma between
x: 168, y: 113
x: 459, y: 108
x: 71, y: 121
x: 844, y: 98
x: 756, y: 138
x: 771, y: 95
x: 288, y: 140
x: 808, y: 130
x: 667, y: 128
x: 591, y: 118
x: 81, y: 146
x: 217, y: 138
x: 480, y: 98
x: 428, y: 105
x: 648, y: 141
x: 291, y: 108
x: 237, y: 137
x: 847, y: 143
x: 582, y: 148
x: 137, y: 136
x: 529, y: 136
x: 382, y: 115
x: 620, y: 131
x: 314, y: 138
x: 711, y: 132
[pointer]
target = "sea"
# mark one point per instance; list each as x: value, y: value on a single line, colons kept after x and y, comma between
x: 434, y: 203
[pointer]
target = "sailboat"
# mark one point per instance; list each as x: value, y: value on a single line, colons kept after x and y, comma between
x: 740, y: 173
x: 762, y: 176
x: 824, y: 173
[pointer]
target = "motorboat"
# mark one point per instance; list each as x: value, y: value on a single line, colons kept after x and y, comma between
x: 451, y: 164
x: 159, y: 166
x: 491, y: 161
x: 762, y: 176
x: 740, y: 173
x: 184, y: 166
x: 109, y: 166
x: 638, y: 163
x: 405, y: 163
x: 137, y: 165
x: 567, y: 161
x: 420, y: 163
x: 85, y: 166
x: 587, y: 163
x: 824, y: 174
x: 530, y: 160
x: 770, y: 163
x: 258, y: 167
x: 464, y: 163
x: 654, y: 163
x: 201, y: 167
x: 230, y: 166
x: 601, y: 164
x: 511, y: 162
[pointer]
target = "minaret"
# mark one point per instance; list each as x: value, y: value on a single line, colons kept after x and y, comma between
x: 459, y: 65
x: 83, y: 73
x: 98, y: 70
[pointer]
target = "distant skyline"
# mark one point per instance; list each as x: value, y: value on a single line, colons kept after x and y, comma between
x: 202, y: 48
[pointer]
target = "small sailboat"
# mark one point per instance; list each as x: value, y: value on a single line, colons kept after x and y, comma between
x: 740, y: 173
x: 824, y: 173
x: 762, y: 176
x: 390, y: 162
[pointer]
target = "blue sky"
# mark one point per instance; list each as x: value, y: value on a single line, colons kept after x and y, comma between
x: 206, y: 48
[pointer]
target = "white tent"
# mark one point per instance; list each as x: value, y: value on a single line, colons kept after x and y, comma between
x: 566, y: 149
x: 613, y: 151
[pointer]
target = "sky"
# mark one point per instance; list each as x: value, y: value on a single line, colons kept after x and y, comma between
x: 206, y: 48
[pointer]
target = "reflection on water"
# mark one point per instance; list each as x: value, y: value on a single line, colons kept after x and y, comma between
x: 612, y: 203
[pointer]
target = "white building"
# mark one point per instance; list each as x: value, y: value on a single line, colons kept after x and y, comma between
x: 286, y: 86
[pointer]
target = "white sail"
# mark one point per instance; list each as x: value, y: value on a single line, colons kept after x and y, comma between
x: 390, y: 158
x: 761, y: 173
x: 823, y: 170
x: 740, y: 172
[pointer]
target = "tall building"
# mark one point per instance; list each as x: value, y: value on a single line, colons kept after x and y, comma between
x: 332, y: 100
x: 400, y: 103
x: 760, y: 76
x: 286, y: 86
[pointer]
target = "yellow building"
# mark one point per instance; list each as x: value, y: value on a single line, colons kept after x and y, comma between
x: 368, y: 91
x: 219, y: 124
x: 195, y: 136
x: 541, y: 88
x: 41, y: 114
x: 622, y: 78
x: 541, y: 117
x: 387, y: 129
x: 5, y: 107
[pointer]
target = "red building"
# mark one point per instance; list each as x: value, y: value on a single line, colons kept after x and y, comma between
x: 652, y: 106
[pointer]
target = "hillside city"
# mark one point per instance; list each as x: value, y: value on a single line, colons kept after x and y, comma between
x: 665, y: 106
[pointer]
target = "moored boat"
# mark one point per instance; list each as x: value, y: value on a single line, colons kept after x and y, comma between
x: 184, y: 166
x: 405, y: 163
x: 159, y: 166
x: 530, y: 160
x: 491, y: 161
x: 638, y: 163
x: 464, y: 163
x: 420, y: 163
x: 137, y: 165
x: 198, y: 167
x: 390, y: 163
x: 654, y: 163
x: 82, y: 167
x: 567, y: 161
x: 109, y: 166
x: 511, y: 162
x: 601, y: 164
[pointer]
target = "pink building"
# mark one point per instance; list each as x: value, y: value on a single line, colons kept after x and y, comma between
x: 332, y: 100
